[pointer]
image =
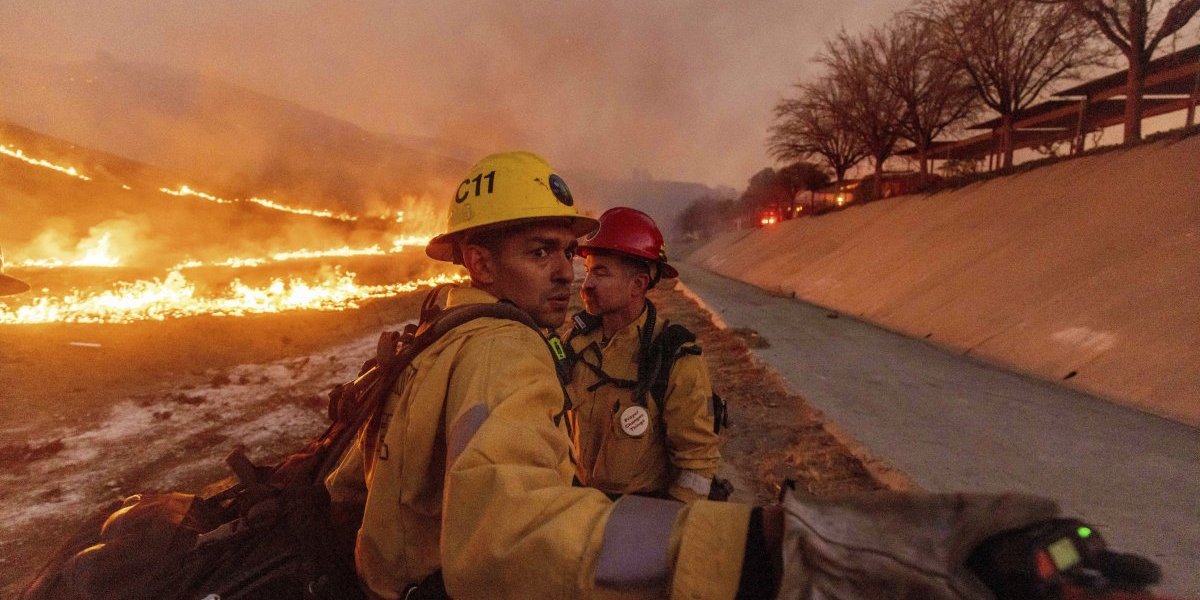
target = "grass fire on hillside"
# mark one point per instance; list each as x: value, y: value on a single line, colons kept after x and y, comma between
x: 98, y: 277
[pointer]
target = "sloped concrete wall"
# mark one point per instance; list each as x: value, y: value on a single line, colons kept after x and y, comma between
x: 1090, y: 266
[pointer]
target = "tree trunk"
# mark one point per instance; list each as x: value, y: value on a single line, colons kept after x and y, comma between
x: 877, y: 185
x: 1191, y: 111
x: 922, y: 153
x: 1006, y: 140
x: 1077, y: 144
x: 1133, y: 97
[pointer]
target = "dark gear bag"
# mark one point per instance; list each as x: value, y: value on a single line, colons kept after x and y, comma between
x: 270, y: 533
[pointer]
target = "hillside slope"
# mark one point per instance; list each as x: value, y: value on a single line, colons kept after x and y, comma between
x: 246, y: 143
x: 662, y: 200
x: 232, y: 137
x: 46, y: 213
x: 1085, y: 272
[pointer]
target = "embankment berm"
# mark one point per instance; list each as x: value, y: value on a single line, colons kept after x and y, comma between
x: 1085, y: 272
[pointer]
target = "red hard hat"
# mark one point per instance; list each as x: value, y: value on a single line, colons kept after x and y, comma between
x: 630, y: 232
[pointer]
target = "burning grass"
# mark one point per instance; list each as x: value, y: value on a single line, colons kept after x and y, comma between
x: 176, y: 297
x: 307, y: 280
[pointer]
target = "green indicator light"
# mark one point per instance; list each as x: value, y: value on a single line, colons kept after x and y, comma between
x: 1084, y: 532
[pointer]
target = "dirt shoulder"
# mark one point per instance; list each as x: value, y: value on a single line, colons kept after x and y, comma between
x: 147, y: 432
x: 773, y: 434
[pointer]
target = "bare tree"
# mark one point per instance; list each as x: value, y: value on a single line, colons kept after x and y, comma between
x: 1010, y: 49
x: 869, y: 109
x: 808, y: 128
x: 1136, y: 28
x: 936, y: 94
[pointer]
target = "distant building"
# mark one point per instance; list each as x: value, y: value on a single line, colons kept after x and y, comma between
x: 833, y: 196
x: 857, y: 191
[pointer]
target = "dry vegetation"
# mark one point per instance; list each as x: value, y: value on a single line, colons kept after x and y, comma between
x: 773, y: 434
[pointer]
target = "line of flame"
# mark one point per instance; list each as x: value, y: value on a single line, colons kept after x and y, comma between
x: 175, y: 297
x: 19, y: 154
x: 185, y: 191
x: 304, y: 211
x: 398, y: 245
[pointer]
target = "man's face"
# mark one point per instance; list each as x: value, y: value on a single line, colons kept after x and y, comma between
x: 532, y: 269
x: 611, y: 284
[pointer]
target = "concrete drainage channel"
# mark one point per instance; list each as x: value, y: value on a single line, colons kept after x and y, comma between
x: 953, y: 423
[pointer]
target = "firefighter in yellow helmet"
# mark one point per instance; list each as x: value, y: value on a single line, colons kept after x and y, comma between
x: 469, y: 480
x: 10, y: 285
x: 647, y: 418
x: 467, y: 483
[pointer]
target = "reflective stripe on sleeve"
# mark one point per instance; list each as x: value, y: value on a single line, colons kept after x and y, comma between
x: 463, y: 430
x: 694, y: 481
x: 637, y: 538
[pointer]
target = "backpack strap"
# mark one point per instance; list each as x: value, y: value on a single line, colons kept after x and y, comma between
x: 566, y: 358
x: 674, y: 342
x: 407, y: 348
x: 649, y: 359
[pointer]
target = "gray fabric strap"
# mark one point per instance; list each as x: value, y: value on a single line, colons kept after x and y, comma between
x: 637, y: 538
x: 463, y: 430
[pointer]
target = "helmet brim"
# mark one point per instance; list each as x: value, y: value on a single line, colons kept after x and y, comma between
x: 441, y: 247
x: 10, y: 286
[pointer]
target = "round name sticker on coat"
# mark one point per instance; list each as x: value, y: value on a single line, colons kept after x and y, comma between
x: 635, y: 421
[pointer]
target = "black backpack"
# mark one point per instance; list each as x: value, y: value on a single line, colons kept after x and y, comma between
x: 269, y: 533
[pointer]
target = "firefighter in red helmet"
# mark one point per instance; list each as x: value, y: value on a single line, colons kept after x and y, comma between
x: 648, y: 421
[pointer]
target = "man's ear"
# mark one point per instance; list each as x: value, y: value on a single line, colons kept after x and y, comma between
x: 641, y: 283
x: 479, y: 263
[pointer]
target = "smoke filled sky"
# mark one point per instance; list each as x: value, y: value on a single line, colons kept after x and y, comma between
x: 683, y: 90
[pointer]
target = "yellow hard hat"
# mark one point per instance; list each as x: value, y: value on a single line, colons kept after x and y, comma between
x: 508, y: 188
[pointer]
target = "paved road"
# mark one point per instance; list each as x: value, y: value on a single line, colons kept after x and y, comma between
x: 953, y: 423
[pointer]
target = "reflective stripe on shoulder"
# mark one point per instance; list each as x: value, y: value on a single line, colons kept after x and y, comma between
x: 463, y: 430
x: 637, y: 541
x: 694, y: 481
